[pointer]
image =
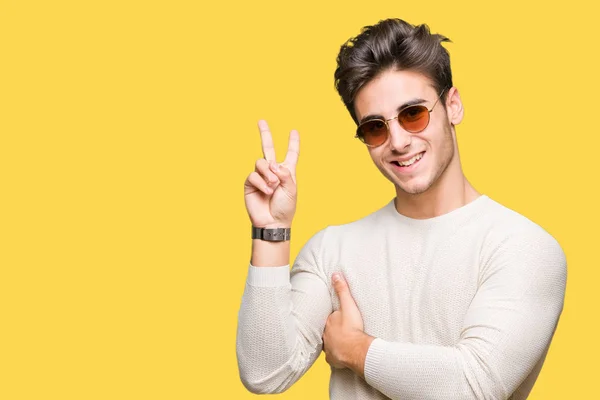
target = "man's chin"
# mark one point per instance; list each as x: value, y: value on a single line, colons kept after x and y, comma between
x: 412, y: 188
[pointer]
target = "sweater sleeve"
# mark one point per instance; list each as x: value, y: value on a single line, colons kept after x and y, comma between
x: 505, y: 332
x: 281, y: 321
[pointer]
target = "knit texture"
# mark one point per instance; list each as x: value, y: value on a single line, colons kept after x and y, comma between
x: 463, y: 305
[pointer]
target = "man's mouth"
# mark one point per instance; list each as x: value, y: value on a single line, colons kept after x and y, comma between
x: 410, y: 162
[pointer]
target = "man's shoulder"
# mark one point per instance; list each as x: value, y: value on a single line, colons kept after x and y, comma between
x: 508, y: 231
x: 504, y: 221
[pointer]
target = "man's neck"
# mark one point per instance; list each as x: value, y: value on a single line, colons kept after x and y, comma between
x: 452, y: 190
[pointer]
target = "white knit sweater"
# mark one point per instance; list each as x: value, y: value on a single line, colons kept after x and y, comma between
x: 463, y: 305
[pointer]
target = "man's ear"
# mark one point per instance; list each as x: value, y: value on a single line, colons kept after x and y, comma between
x: 454, y: 106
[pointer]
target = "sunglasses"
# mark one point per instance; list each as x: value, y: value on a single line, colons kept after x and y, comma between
x: 413, y: 119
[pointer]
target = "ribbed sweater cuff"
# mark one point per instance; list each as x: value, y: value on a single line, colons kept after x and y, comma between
x: 268, y: 276
x: 373, y: 360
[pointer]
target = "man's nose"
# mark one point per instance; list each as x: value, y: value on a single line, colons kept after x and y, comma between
x: 399, y: 138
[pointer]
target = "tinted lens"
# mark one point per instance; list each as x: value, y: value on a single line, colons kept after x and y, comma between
x: 414, y: 118
x: 373, y: 132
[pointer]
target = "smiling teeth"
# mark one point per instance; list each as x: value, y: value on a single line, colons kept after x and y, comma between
x: 411, y: 161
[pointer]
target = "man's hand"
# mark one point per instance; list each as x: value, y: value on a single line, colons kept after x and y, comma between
x: 270, y: 191
x: 344, y: 341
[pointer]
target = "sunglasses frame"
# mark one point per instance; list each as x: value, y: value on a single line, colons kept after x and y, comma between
x: 385, y: 121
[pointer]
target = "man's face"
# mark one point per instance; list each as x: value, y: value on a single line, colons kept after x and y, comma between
x: 383, y: 96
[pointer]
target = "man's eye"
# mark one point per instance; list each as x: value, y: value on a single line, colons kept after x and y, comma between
x: 375, y: 128
x: 413, y: 113
x: 378, y: 125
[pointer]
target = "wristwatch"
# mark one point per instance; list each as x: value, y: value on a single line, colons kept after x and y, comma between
x: 271, y: 235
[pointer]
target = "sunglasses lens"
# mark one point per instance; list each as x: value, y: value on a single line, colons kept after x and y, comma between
x: 414, y: 119
x: 373, y: 132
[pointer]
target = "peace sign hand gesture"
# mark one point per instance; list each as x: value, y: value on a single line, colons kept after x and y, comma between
x: 270, y: 191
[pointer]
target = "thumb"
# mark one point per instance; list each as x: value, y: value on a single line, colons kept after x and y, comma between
x: 284, y: 175
x: 343, y: 292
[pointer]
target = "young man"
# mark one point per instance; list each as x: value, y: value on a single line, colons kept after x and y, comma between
x: 443, y: 293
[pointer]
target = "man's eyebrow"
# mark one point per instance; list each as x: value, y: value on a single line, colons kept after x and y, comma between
x: 407, y: 104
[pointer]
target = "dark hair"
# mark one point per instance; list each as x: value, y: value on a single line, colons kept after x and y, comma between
x: 391, y: 44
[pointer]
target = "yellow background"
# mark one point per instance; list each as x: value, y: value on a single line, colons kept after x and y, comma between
x: 128, y: 128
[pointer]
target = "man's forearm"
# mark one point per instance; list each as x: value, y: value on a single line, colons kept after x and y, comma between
x: 282, y: 316
x: 280, y: 325
x: 358, y: 353
x: 265, y: 336
x: 406, y: 370
x: 270, y: 254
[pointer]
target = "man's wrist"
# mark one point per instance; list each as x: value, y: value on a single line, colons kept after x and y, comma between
x: 277, y: 225
x: 270, y: 254
x: 358, y: 353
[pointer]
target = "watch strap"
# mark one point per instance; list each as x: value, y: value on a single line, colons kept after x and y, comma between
x: 271, y: 234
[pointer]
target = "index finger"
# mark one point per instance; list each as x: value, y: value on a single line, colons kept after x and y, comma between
x: 267, y: 141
